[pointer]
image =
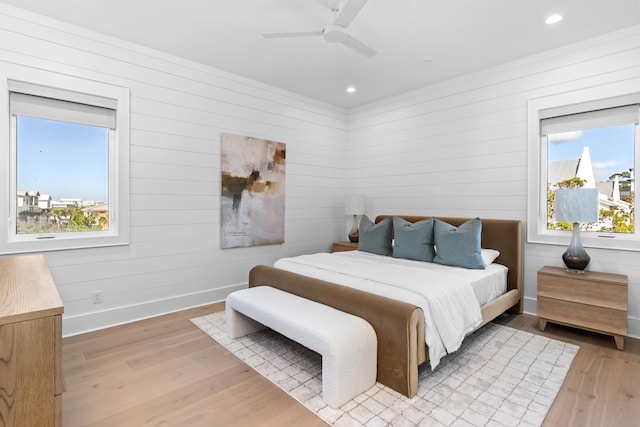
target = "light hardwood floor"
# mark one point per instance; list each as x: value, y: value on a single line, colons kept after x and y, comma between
x: 165, y: 371
x: 603, y: 385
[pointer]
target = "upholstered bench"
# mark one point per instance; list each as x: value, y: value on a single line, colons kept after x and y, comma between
x: 347, y: 343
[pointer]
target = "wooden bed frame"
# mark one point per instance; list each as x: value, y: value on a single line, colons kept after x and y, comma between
x: 399, y: 326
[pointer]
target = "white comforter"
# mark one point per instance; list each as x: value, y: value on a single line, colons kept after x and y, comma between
x: 450, y: 307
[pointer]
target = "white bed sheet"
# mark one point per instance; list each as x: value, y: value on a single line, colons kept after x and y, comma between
x: 451, y: 304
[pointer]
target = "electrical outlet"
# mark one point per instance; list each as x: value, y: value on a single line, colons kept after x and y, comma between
x: 97, y: 297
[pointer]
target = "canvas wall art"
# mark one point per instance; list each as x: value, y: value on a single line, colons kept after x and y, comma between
x: 253, y: 191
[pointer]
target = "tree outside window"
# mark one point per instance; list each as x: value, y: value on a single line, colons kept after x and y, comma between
x: 601, y: 158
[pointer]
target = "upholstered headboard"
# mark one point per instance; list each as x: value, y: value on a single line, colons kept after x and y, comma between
x: 503, y: 235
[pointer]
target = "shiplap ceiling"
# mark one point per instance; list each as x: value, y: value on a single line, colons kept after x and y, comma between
x: 454, y: 37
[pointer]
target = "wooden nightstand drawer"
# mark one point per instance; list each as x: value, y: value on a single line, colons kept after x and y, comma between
x: 605, y: 294
x: 592, y: 317
x: 593, y: 301
x: 344, y: 246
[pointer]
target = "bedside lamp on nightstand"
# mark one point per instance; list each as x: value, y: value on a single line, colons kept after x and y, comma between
x: 355, y: 206
x: 576, y: 205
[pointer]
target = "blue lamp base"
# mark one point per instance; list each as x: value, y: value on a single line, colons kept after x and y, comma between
x: 575, y: 257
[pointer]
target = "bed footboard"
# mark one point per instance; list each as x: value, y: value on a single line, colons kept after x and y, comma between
x: 399, y: 326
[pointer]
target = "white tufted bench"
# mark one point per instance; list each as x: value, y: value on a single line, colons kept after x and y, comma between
x: 347, y: 343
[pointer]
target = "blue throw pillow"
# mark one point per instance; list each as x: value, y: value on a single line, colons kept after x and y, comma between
x: 375, y: 238
x: 413, y: 241
x: 458, y: 246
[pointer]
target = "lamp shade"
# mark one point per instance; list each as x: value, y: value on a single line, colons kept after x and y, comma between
x: 354, y: 205
x: 576, y: 205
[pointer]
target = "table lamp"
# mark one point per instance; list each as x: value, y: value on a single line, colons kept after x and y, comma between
x: 576, y: 205
x: 355, y: 206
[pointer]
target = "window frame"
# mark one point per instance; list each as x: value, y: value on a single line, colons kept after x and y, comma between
x: 79, y: 90
x: 584, y: 100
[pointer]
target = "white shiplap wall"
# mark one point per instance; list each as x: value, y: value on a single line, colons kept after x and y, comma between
x: 178, y: 111
x: 459, y: 148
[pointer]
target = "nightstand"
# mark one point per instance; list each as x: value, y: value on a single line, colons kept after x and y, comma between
x: 344, y: 246
x: 591, y: 300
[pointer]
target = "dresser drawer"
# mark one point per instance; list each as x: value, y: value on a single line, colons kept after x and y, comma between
x: 30, y: 344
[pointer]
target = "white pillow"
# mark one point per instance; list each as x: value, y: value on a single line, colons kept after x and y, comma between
x: 488, y: 256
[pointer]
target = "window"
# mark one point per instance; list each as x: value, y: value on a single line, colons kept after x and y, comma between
x: 68, y: 161
x: 591, y: 142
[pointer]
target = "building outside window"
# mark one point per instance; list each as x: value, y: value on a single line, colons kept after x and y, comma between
x: 585, y: 139
x: 62, y: 159
x: 68, y: 161
x: 601, y: 158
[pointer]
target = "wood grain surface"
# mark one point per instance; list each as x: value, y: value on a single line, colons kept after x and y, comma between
x: 165, y: 371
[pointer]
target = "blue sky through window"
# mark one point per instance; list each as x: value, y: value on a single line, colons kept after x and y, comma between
x: 64, y: 160
x: 611, y: 148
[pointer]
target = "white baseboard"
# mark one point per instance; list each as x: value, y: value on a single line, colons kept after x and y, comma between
x: 83, y: 323
x: 530, y: 306
x: 633, y: 327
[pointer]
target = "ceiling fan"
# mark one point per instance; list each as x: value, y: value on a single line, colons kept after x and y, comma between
x: 337, y: 31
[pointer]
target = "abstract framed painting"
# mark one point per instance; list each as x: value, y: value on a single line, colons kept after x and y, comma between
x: 253, y: 191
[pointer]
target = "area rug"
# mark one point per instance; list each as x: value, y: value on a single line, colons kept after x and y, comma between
x: 500, y: 377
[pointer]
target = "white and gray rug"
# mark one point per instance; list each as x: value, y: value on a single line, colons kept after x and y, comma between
x: 500, y: 377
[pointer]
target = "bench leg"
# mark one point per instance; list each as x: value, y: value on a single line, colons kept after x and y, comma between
x: 350, y: 371
x: 239, y: 325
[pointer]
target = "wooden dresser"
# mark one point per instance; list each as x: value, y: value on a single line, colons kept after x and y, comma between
x: 31, y: 382
x: 591, y: 300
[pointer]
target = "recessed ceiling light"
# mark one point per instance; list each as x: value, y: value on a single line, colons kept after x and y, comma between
x: 351, y: 89
x: 553, y: 19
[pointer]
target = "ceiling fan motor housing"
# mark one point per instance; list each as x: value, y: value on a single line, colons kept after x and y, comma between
x: 345, y: 11
x: 334, y: 33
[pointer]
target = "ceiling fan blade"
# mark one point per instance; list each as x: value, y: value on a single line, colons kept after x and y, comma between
x: 349, y: 11
x: 359, y: 47
x: 285, y: 35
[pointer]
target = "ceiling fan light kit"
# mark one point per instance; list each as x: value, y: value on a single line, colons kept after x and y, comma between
x: 337, y: 31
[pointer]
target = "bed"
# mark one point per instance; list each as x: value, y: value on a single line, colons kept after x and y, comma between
x: 400, y: 326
